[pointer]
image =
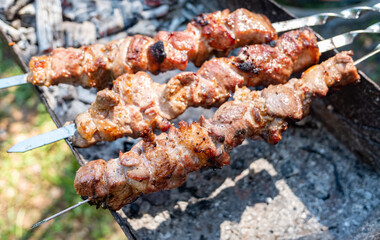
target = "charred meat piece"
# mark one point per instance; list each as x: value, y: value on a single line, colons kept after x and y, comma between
x: 98, y: 65
x: 164, y: 161
x: 136, y: 104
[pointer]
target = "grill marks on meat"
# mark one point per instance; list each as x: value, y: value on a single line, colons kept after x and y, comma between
x: 164, y: 161
x: 136, y: 104
x: 98, y: 65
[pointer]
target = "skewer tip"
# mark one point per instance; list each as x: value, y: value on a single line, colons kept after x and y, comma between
x: 375, y: 51
x: 60, y: 213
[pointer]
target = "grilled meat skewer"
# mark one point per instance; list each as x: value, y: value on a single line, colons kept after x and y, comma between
x: 70, y: 130
x: 164, y: 161
x: 137, y: 104
x: 218, y: 40
x: 97, y: 65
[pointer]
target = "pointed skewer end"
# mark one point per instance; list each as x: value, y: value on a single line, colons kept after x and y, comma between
x: 60, y: 213
x: 375, y: 51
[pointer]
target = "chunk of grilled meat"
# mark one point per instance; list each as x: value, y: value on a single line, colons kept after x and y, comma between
x: 97, y: 65
x: 137, y: 104
x: 164, y: 161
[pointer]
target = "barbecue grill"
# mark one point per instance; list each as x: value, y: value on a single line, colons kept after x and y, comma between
x: 260, y: 175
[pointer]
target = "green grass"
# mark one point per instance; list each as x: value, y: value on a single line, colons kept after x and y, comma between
x: 39, y: 183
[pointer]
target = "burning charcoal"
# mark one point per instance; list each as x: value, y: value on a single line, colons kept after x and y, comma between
x: 28, y: 15
x: 79, y: 11
x: 187, y: 14
x: 30, y: 34
x: 29, y: 9
x: 156, y: 3
x: 192, y: 8
x: 136, y: 7
x: 177, y: 21
x: 156, y: 12
x: 200, y: 8
x: 110, y: 150
x: 16, y: 23
x: 11, y: 12
x: 133, y: 210
x: 23, y: 44
x: 77, y: 34
x: 112, y: 37
x: 104, y: 9
x: 5, y: 5
x: 61, y: 110
x: 86, y: 95
x: 157, y: 198
x: 112, y: 24
x: 75, y: 108
x: 27, y: 43
x: 49, y: 25
x: 153, y: 3
x: 130, y: 10
x: 144, y: 27
x: 10, y: 31
x: 67, y: 92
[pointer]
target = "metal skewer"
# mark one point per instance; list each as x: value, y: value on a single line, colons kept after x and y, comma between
x: 60, y: 213
x: 69, y: 130
x: 322, y: 18
x: 318, y: 19
x: 375, y: 51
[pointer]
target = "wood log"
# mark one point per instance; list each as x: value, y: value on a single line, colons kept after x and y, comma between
x: 49, y: 25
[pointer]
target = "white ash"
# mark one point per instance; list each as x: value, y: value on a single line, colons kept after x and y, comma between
x: 156, y: 12
x: 28, y: 10
x: 13, y: 33
x: 64, y: 21
x: 144, y: 27
x: 116, y: 36
x: 77, y: 34
x: 5, y: 5
x: 176, y: 22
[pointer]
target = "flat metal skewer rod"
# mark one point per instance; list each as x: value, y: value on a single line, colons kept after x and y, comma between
x: 322, y: 18
x: 60, y: 213
x: 44, y: 139
x: 375, y: 51
x: 13, y: 81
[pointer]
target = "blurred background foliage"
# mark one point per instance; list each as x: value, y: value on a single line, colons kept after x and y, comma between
x: 39, y: 183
